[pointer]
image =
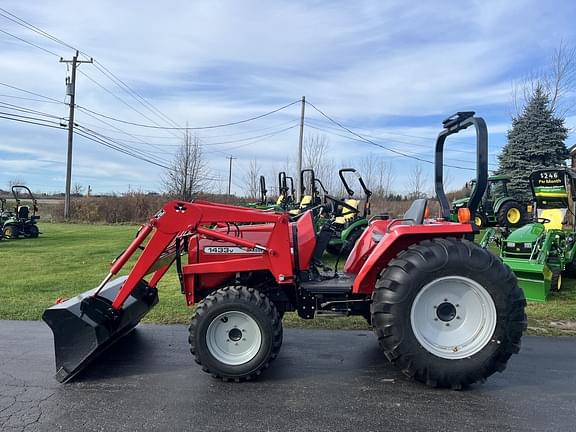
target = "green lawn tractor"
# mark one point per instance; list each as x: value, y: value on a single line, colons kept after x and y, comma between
x: 349, y: 221
x: 496, y: 207
x: 541, y: 251
x: 309, y: 192
x: 286, y: 195
x: 22, y: 221
x: 262, y: 204
x: 285, y: 199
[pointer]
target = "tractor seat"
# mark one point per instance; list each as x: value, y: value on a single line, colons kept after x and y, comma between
x: 346, y: 215
x: 415, y: 214
x: 556, y: 217
x: 23, y: 212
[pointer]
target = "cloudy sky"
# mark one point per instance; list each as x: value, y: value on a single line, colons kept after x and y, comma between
x: 388, y: 70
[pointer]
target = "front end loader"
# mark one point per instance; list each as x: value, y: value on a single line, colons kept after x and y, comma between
x: 540, y: 252
x: 445, y: 311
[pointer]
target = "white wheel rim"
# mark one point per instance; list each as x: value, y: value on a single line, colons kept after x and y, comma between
x: 233, y: 338
x: 453, y: 317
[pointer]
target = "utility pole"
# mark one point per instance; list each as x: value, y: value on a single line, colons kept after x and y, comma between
x: 231, y: 158
x: 70, y: 91
x: 299, y: 168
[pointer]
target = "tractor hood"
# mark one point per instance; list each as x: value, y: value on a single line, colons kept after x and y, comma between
x: 461, y: 202
x: 526, y: 234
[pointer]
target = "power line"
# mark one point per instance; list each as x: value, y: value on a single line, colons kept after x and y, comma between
x: 104, y: 70
x: 331, y: 131
x: 396, y: 140
x: 125, y: 146
x: 138, y: 140
x: 31, y: 99
x: 28, y: 110
x: 29, y: 92
x: 29, y: 43
x: 29, y: 26
x: 380, y: 145
x: 224, y: 151
x: 195, y: 127
x: 96, y: 139
x: 23, y: 119
x: 99, y: 66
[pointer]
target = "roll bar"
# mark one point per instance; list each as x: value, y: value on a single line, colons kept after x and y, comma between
x: 453, y: 125
x: 349, y: 191
x: 263, y: 191
x: 312, y: 181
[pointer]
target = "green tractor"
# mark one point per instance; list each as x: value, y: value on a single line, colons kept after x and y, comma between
x: 286, y: 195
x: 541, y: 251
x: 21, y: 222
x: 285, y: 199
x: 496, y: 207
x: 262, y: 204
x: 350, y: 221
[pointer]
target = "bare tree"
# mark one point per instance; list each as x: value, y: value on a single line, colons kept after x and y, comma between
x: 417, y: 182
x: 252, y: 180
x: 385, y: 177
x: 77, y: 189
x: 187, y: 174
x: 315, y: 156
x: 16, y: 182
x: 558, y: 80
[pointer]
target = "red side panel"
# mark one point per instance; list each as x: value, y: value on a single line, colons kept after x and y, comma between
x: 390, y: 244
x: 306, y: 239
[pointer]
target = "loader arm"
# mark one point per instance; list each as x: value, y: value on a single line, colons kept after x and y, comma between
x: 188, y: 218
x: 88, y: 324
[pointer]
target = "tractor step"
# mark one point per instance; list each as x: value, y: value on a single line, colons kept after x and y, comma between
x: 86, y: 325
x: 338, y: 285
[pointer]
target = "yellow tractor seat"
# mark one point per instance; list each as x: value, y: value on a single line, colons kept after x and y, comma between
x: 347, y: 214
x: 280, y: 200
x: 306, y: 201
x: 556, y: 217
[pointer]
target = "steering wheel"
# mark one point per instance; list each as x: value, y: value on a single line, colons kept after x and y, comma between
x: 342, y: 203
x: 543, y: 220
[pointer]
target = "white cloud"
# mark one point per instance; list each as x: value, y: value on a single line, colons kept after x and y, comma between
x: 381, y: 67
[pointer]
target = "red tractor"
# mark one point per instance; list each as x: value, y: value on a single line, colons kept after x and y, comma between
x: 447, y: 312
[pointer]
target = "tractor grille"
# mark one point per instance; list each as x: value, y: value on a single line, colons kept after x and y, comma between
x: 512, y: 249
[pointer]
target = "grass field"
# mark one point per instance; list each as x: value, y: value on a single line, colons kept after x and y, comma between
x: 68, y: 259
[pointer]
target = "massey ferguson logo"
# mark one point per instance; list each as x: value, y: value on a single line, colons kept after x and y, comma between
x: 231, y: 250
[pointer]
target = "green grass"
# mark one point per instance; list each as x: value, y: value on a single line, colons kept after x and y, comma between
x: 68, y: 259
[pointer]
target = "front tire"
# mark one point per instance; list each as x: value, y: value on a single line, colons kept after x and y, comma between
x: 11, y: 232
x: 480, y: 220
x: 448, y: 313
x: 235, y: 333
x: 556, y: 281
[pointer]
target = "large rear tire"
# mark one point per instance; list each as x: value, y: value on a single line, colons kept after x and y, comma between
x: 448, y: 313
x: 235, y: 333
x: 32, y: 231
x: 511, y: 214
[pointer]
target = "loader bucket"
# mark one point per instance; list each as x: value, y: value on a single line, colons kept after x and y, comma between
x: 534, y: 278
x: 84, y: 328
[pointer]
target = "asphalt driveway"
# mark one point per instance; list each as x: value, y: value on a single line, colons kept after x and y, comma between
x: 322, y: 381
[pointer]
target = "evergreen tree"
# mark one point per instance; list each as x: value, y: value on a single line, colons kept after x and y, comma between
x: 535, y: 141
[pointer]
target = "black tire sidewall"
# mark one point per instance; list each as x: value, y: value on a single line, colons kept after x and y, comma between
x: 228, y: 304
x: 483, y: 220
x: 403, y: 343
x: 33, y: 231
x: 14, y: 230
x: 503, y: 211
